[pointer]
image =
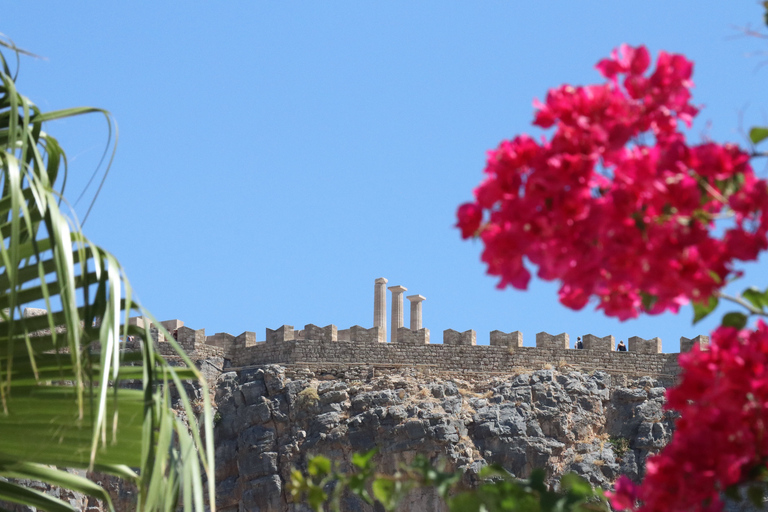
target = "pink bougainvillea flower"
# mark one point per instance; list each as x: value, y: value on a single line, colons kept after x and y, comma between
x: 615, y: 204
x: 721, y: 436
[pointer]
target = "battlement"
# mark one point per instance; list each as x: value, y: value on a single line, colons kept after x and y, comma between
x: 411, y: 346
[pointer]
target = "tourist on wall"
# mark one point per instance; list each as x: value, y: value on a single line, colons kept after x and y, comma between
x: 622, y: 347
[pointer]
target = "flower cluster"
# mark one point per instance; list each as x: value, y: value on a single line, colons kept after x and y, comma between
x: 616, y: 204
x: 721, y: 438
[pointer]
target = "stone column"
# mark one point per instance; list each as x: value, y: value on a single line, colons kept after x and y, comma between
x: 397, y: 310
x: 416, y: 301
x: 380, y: 305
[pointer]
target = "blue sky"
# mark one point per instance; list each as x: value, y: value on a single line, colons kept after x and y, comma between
x: 276, y: 157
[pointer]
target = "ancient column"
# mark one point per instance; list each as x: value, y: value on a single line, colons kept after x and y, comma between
x: 416, y: 311
x: 380, y: 306
x: 397, y: 310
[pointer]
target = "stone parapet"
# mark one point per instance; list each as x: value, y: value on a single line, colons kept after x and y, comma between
x: 282, y: 333
x: 451, y: 337
x: 686, y: 345
x: 546, y: 340
x: 643, y: 346
x: 409, y: 337
x: 456, y: 358
x: 510, y: 340
x: 190, y: 338
x: 246, y: 339
x: 604, y: 344
x: 313, y: 332
x: 363, y: 335
x: 458, y: 353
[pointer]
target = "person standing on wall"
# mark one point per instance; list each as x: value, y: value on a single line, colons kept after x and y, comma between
x: 622, y: 347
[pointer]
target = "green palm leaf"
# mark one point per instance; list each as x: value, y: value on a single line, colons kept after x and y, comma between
x: 61, y: 404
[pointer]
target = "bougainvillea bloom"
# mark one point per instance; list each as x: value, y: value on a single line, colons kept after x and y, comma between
x: 721, y: 437
x: 616, y: 204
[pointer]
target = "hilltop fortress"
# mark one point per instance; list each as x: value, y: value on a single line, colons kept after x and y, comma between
x: 331, y: 348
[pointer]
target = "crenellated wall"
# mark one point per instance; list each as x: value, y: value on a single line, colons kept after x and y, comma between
x: 459, y: 352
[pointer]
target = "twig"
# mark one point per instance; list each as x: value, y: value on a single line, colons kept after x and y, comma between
x: 740, y: 301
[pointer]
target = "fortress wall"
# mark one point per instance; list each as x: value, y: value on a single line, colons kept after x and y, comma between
x: 265, y: 352
x: 458, y: 358
x: 316, y: 347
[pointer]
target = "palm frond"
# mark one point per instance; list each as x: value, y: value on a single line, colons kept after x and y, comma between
x: 61, y: 404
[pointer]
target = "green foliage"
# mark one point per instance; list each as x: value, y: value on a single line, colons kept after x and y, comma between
x: 758, y: 134
x: 499, y: 491
x: 734, y: 319
x: 60, y: 400
x: 620, y: 445
x: 758, y: 299
x: 702, y: 309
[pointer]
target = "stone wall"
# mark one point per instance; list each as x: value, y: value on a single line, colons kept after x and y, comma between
x: 316, y: 347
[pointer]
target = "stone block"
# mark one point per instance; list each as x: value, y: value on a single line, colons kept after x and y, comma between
x: 139, y: 321
x: 686, y: 345
x: 283, y: 333
x: 330, y: 333
x: 546, y: 340
x: 247, y: 339
x: 363, y: 335
x: 503, y: 339
x: 188, y: 338
x: 30, y: 312
x: 451, y: 337
x: 171, y: 325
x: 409, y: 337
x: 643, y: 346
x: 604, y: 344
x: 221, y: 339
x: 315, y: 333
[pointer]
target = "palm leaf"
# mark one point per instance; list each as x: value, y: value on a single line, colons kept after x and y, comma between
x: 61, y: 404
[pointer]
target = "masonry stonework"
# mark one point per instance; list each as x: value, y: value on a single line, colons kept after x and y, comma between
x: 315, y: 346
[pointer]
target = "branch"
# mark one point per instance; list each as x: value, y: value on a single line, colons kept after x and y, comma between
x: 741, y: 302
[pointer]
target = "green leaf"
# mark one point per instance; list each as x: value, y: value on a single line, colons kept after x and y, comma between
x: 765, y: 14
x: 384, y: 491
x: 577, y: 485
x: 732, y: 493
x: 316, y: 497
x: 60, y: 377
x: 734, y: 319
x: 494, y: 471
x: 363, y: 460
x: 702, y: 309
x: 758, y: 134
x: 648, y: 300
x: 31, y: 497
x: 755, y: 495
x: 319, y: 466
x: 466, y: 502
x: 756, y: 297
x: 55, y: 477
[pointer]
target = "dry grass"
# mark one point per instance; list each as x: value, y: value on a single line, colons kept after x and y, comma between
x: 308, y: 397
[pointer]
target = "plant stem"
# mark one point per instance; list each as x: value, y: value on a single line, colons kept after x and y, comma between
x: 740, y: 301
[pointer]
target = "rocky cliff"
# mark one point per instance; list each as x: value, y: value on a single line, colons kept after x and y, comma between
x: 271, y: 419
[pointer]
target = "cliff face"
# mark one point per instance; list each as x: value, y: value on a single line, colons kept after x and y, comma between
x: 272, y: 419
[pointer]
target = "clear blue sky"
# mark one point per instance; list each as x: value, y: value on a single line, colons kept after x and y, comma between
x: 277, y: 157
